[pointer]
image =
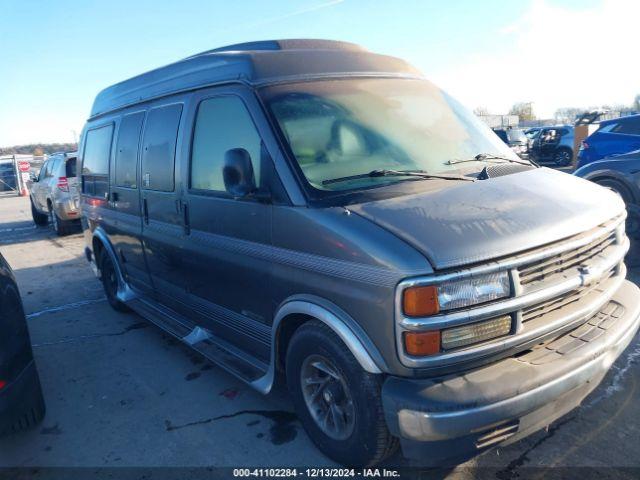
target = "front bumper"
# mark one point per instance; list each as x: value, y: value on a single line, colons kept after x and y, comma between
x: 455, y: 417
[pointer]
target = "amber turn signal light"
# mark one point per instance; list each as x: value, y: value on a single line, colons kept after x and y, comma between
x: 420, y: 301
x: 422, y: 343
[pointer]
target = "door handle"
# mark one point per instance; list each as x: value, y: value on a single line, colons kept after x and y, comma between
x: 185, y: 219
x: 145, y: 211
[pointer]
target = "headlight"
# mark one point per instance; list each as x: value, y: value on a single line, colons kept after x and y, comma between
x: 422, y: 301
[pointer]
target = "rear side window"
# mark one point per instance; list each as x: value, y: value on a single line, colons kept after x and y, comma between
x: 43, y: 170
x: 159, y: 148
x: 97, y: 149
x: 222, y: 123
x: 629, y: 126
x: 127, y: 150
x: 55, y: 169
x: 503, y: 135
x: 71, y: 167
x: 95, y: 165
x: 607, y: 128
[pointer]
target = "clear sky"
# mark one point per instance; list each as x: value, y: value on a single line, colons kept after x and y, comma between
x: 55, y: 55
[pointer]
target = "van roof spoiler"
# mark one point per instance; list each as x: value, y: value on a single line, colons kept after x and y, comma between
x: 288, y: 44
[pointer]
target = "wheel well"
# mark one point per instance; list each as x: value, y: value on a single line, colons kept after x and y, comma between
x: 289, y: 325
x: 97, y: 250
x: 622, y: 183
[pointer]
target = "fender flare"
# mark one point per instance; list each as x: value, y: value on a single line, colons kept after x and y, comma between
x: 353, y: 336
x: 125, y: 293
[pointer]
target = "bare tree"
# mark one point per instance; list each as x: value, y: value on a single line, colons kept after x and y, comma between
x: 524, y: 110
x: 567, y: 114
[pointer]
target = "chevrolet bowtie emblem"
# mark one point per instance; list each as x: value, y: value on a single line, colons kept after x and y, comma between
x: 584, y: 269
x: 586, y: 275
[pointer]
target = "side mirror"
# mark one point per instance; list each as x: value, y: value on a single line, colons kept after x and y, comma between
x: 32, y: 177
x: 237, y: 173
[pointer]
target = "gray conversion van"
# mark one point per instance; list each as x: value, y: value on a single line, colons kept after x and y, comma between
x: 309, y: 212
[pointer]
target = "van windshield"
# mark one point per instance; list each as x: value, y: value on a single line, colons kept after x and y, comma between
x: 341, y: 129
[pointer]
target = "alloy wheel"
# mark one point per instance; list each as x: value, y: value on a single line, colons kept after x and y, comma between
x: 327, y: 397
x: 562, y: 158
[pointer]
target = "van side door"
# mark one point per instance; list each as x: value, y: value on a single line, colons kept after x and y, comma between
x: 95, y: 157
x: 229, y: 286
x: 125, y: 202
x: 162, y: 229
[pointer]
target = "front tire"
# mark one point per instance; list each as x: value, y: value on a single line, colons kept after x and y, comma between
x: 40, y: 219
x: 617, y: 187
x: 110, y: 282
x: 338, y: 403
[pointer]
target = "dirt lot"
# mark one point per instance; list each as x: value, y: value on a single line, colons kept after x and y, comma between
x: 121, y: 393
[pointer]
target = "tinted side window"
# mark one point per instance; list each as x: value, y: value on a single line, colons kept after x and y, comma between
x: 127, y: 150
x: 71, y: 167
x: 629, y: 126
x: 95, y: 165
x: 503, y: 135
x: 159, y: 151
x: 55, y: 168
x: 608, y: 128
x: 97, y: 149
x: 43, y: 171
x: 222, y: 123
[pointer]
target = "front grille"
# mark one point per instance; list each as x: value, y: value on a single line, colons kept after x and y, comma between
x: 555, y: 286
x: 561, y: 301
x: 541, y: 269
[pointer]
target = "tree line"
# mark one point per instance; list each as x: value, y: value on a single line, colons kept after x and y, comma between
x: 38, y: 149
x: 526, y: 112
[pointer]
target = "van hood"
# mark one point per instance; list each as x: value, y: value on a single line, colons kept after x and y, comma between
x: 487, y: 219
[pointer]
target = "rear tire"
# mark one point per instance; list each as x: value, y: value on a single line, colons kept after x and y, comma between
x: 563, y: 157
x: 110, y: 282
x: 40, y: 219
x: 61, y: 227
x: 348, y: 395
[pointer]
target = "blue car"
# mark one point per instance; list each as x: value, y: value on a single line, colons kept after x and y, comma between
x: 614, y: 137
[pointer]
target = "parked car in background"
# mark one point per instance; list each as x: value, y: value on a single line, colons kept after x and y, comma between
x: 515, y: 138
x: 620, y: 173
x: 54, y: 193
x: 552, y: 144
x: 613, y: 137
x: 7, y: 176
x: 21, y: 401
x: 307, y: 210
x: 532, y: 131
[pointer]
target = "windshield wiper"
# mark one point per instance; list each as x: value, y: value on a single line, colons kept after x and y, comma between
x: 397, y: 173
x: 483, y: 157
